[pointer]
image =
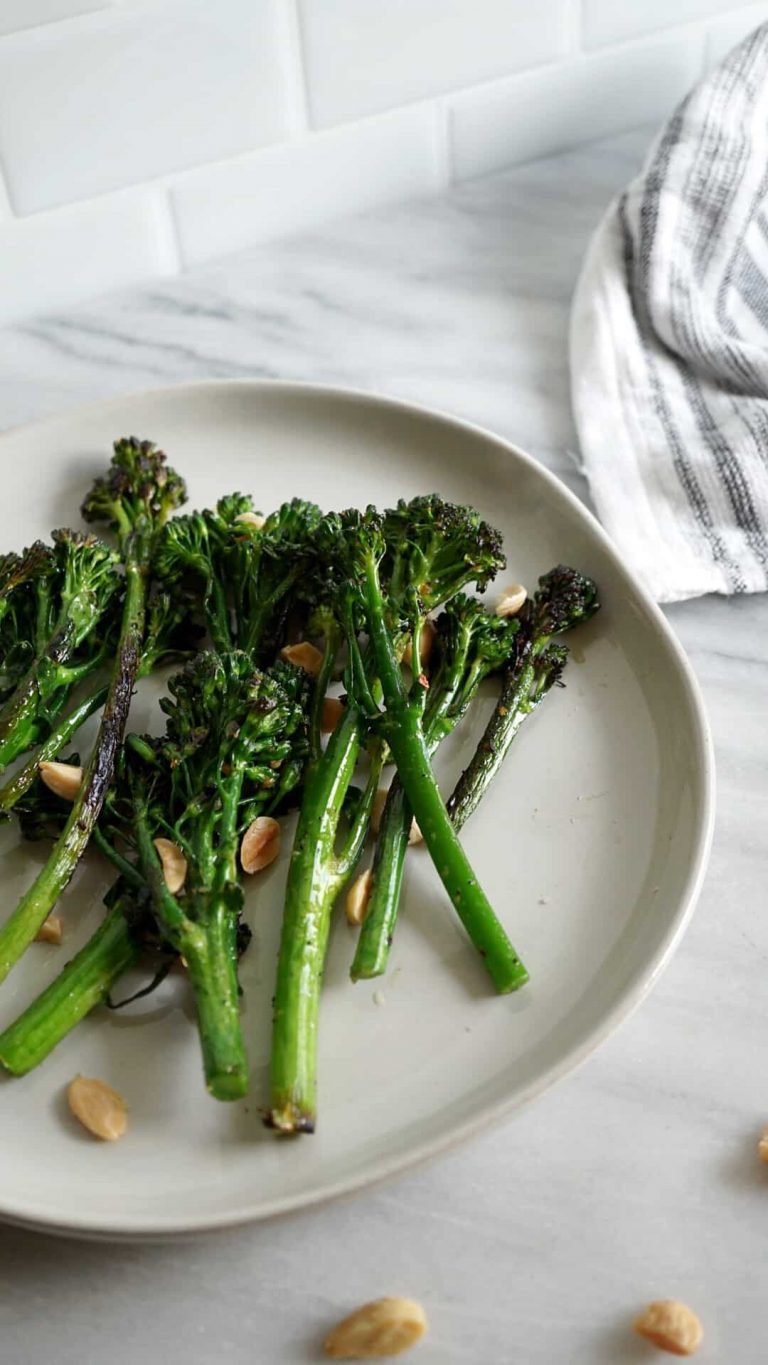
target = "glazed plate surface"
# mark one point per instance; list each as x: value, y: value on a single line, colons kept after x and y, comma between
x: 592, y: 847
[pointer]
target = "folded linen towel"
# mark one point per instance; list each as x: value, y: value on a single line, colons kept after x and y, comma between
x: 669, y: 345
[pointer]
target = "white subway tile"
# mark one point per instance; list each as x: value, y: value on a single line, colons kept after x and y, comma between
x: 285, y: 189
x: 135, y: 92
x: 612, y: 21
x: 361, y: 56
x: 55, y: 259
x: 19, y: 14
x: 725, y: 33
x: 547, y: 111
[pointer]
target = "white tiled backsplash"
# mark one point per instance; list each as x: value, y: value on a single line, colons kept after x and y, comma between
x: 141, y: 136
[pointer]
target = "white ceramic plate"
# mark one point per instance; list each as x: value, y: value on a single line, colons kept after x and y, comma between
x: 592, y: 848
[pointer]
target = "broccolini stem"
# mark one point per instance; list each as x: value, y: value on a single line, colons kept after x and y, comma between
x: 411, y: 755
x: 83, y: 983
x: 16, y: 786
x: 22, y: 724
x: 445, y: 706
x: 402, y: 727
x: 219, y: 621
x: 127, y: 870
x: 330, y: 650
x: 36, y: 904
x: 524, y: 685
x: 210, y: 953
x: 39, y: 698
x: 377, y: 931
x: 347, y: 856
x: 209, y: 949
x: 314, y: 881
x: 378, y: 927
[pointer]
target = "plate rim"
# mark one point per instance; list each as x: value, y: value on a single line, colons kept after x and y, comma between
x: 126, y: 1229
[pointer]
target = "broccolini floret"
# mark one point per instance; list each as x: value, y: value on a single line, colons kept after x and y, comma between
x: 564, y: 599
x: 134, y: 498
x: 138, y: 493
x: 244, y: 572
x: 58, y: 620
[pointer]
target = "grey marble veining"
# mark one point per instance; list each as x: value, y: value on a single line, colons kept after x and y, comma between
x: 636, y: 1177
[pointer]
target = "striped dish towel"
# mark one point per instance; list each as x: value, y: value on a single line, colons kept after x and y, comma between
x: 669, y: 345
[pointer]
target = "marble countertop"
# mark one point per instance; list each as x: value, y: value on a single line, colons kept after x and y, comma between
x: 636, y: 1177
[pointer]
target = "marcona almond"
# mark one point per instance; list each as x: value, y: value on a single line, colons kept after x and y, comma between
x: 254, y: 519
x: 331, y: 714
x: 358, y: 896
x: 762, y: 1146
x: 98, y: 1107
x: 428, y: 634
x: 174, y: 864
x: 50, y: 930
x: 672, y: 1326
x: 511, y: 600
x: 261, y: 844
x: 385, y: 1327
x: 305, y: 656
x: 63, y: 779
x: 377, y: 811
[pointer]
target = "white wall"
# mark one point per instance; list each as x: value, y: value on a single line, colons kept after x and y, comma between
x: 141, y: 136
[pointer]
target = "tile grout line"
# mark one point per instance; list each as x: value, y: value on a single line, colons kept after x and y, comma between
x: 690, y: 28
x: 296, y: 94
x: 571, y: 59
x: 294, y: 67
x: 574, y: 28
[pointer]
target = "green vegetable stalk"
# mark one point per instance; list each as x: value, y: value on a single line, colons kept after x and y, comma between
x: 234, y: 749
x: 169, y: 639
x: 402, y: 722
x: 322, y: 861
x: 429, y: 551
x: 135, y: 498
x: 85, y: 981
x: 565, y: 599
x: 470, y: 643
x: 528, y: 665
